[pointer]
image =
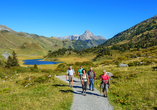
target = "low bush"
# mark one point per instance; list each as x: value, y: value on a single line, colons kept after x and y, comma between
x: 46, y: 71
x: 122, y: 58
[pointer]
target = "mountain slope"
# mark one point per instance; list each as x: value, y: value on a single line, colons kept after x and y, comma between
x: 10, y: 39
x: 31, y: 48
x: 142, y: 33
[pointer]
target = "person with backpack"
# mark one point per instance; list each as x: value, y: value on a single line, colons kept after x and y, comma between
x: 70, y: 73
x: 80, y: 71
x: 84, y: 80
x: 91, y: 75
x: 105, y: 81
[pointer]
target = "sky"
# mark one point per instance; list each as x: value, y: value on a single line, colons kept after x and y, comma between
x: 70, y: 17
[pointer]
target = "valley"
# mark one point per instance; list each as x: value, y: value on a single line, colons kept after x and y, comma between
x: 131, y: 56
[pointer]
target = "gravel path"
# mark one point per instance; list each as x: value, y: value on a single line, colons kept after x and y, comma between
x: 92, y: 101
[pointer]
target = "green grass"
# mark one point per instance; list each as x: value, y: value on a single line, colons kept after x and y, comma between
x: 53, y: 95
x: 134, y: 87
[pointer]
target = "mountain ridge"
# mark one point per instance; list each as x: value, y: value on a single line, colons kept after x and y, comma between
x: 10, y: 39
x: 134, y: 33
x: 88, y: 37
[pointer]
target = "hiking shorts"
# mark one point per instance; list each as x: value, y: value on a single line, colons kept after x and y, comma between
x: 105, y: 87
x: 70, y: 78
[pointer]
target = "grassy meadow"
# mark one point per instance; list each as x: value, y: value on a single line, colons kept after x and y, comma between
x: 33, y: 89
x: 132, y: 87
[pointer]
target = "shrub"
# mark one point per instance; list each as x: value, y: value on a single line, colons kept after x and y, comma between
x: 35, y: 66
x: 131, y: 64
x: 46, y: 71
x: 122, y: 58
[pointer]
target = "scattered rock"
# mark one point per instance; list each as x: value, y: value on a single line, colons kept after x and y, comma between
x: 4, y: 81
x: 149, y: 56
x: 153, y: 62
x: 29, y: 79
x: 49, y: 76
x: 109, y: 74
x: 154, y: 68
x: 123, y: 65
x: 141, y: 63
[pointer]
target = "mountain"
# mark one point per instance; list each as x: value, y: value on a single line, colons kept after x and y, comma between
x: 143, y: 34
x: 88, y: 37
x: 31, y: 48
x: 12, y: 40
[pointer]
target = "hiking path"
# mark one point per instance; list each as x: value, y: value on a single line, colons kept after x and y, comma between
x: 92, y: 101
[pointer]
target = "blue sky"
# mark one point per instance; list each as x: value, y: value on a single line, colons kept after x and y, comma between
x: 69, y: 17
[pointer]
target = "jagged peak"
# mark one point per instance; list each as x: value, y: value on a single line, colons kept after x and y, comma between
x: 87, y: 31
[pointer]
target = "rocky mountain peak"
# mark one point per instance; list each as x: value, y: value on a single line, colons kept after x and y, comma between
x: 3, y: 27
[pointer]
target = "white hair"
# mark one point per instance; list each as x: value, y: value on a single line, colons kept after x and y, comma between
x: 104, y: 71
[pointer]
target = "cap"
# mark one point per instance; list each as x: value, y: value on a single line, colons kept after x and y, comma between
x: 70, y: 66
x: 104, y: 70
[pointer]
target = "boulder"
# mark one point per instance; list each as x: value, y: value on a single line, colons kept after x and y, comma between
x: 109, y: 74
x: 123, y: 65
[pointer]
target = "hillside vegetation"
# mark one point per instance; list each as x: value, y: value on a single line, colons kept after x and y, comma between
x: 143, y: 35
x: 134, y: 86
x: 31, y: 48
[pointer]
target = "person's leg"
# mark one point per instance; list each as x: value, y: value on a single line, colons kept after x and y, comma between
x: 106, y: 90
x: 90, y: 82
x: 93, y: 84
x: 69, y: 80
x: 82, y: 88
x: 72, y: 80
x: 85, y: 86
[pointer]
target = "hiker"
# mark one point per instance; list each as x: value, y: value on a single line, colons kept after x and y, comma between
x: 84, y: 79
x: 105, y: 83
x: 91, y: 75
x: 80, y: 71
x: 70, y: 73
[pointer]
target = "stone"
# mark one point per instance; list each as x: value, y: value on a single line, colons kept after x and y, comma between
x: 123, y: 65
x: 109, y: 74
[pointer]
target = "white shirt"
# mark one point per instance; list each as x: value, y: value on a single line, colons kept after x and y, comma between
x: 70, y: 72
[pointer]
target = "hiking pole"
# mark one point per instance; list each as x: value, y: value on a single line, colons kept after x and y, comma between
x: 100, y: 88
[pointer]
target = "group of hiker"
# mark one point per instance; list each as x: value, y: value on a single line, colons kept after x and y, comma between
x: 89, y: 77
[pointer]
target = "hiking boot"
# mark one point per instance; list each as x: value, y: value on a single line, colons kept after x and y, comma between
x: 85, y: 94
x: 92, y: 89
x: 106, y: 95
x: 89, y: 89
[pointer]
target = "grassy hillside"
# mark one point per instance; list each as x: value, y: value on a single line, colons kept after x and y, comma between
x: 31, y: 48
x: 29, y: 88
x: 13, y: 40
x: 143, y: 34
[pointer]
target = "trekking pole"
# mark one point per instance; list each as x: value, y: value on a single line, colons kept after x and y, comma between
x: 100, y: 88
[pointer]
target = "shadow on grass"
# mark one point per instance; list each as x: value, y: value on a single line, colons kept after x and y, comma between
x: 154, y: 68
x: 155, y: 108
x: 60, y: 85
x: 66, y: 91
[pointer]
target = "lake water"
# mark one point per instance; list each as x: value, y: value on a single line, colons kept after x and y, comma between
x: 38, y: 62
